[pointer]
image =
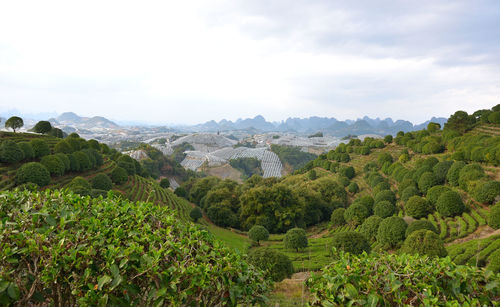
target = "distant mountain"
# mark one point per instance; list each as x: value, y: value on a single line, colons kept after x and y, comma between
x: 73, y: 120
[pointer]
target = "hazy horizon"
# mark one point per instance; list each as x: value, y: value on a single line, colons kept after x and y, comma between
x: 188, y: 63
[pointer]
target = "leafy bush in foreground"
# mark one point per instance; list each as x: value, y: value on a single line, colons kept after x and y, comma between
x: 391, y: 231
x: 434, y: 282
x: 277, y: 266
x: 33, y: 172
x: 424, y: 242
x: 91, y: 252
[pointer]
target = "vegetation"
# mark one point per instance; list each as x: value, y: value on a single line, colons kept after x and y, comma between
x: 102, y: 182
x: 43, y: 127
x: 351, y: 242
x: 195, y: 214
x: 419, y: 225
x: 391, y: 231
x: 247, y: 166
x: 494, y: 219
x: 417, y: 207
x: 424, y: 242
x: 337, y: 217
x: 33, y: 172
x: 292, y: 156
x: 14, y: 123
x: 258, y: 233
x: 450, y: 204
x: 164, y: 183
x: 369, y: 228
x: 295, y: 238
x: 384, y: 209
x: 276, y: 266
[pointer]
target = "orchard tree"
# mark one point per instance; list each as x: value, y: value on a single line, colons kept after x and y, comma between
x: 43, y: 127
x: 14, y: 123
x: 195, y: 214
x: 295, y: 238
x: 258, y: 233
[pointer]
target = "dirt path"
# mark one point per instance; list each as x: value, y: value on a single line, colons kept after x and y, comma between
x: 482, y: 232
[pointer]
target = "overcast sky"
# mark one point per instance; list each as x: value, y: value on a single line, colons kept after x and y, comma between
x: 193, y: 61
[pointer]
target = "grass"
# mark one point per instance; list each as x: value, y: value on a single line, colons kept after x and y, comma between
x: 230, y: 239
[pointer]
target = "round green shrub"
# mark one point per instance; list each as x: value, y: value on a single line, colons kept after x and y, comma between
x: 488, y: 192
x: 366, y: 201
x: 55, y: 166
x: 370, y: 226
x: 388, y: 139
x: 350, y: 242
x: 337, y: 217
x: 355, y: 214
x: 344, y: 181
x: 95, y: 193
x: 391, y: 231
x: 405, y: 183
x: 434, y: 193
x: 409, y: 192
x: 65, y: 160
x: 27, y: 149
x: 353, y: 187
x: 258, y: 233
x: 40, y: 148
x: 102, y: 182
x: 494, y: 117
x: 386, y: 195
x: 164, y: 183
x: 494, y: 218
x: 384, y: 209
x: 74, y: 165
x: 454, y: 172
x: 82, y: 160
x: 195, y: 214
x: 276, y: 266
x: 440, y: 171
x: 417, y: 207
x: 382, y: 186
x: 470, y: 172
x: 295, y: 238
x: 33, y: 172
x: 80, y: 185
x: 63, y: 147
x: 426, y: 181
x: 424, y: 242
x: 450, y: 204
x: 127, y: 163
x: 10, y: 152
x: 119, y: 175
x: 418, y: 225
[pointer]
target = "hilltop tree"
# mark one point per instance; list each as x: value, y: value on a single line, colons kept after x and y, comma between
x: 460, y: 122
x: 14, y: 123
x: 43, y: 127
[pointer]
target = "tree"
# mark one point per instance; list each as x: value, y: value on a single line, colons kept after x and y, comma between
x: 55, y: 166
x: 14, y: 123
x: 487, y: 192
x: 295, y: 238
x: 355, y: 214
x: 119, y: 175
x: 418, y: 225
x: 434, y: 193
x: 63, y: 147
x: 337, y: 217
x: 353, y: 188
x: 27, y: 150
x: 10, y: 152
x: 33, y: 172
x: 384, y: 209
x: 164, y: 183
x: 56, y: 132
x: 350, y: 242
x: 426, y: 181
x: 433, y: 127
x: 424, y: 242
x: 450, y: 204
x: 494, y: 118
x: 388, y: 139
x: 43, y: 127
x: 80, y: 185
x: 460, y: 122
x: 195, y: 214
x: 409, y: 192
x: 102, y: 182
x: 258, y: 233
x: 276, y: 266
x: 40, y: 148
x: 386, y: 195
x: 312, y: 175
x: 369, y: 228
x: 391, y: 231
x: 417, y: 207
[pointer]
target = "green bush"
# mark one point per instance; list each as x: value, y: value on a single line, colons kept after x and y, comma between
x: 33, y: 172
x: 164, y: 183
x: 195, y: 214
x: 382, y: 186
x: 487, y: 192
x: 82, y: 160
x: 119, y: 175
x: 96, y: 193
x: 494, y: 118
x: 42, y: 126
x: 258, y: 233
x: 102, y: 182
x: 384, y: 209
x: 97, y: 248
x: 405, y: 183
x: 80, y: 185
x: 40, y: 148
x: 409, y: 192
x: 388, y: 139
x: 468, y: 173
x: 65, y: 160
x: 54, y: 165
x: 276, y: 266
x: 450, y: 204
x: 27, y: 149
x: 350, y: 242
x: 426, y: 181
x: 10, y: 152
x: 424, y: 242
x: 391, y: 231
x: 295, y: 238
x: 355, y: 214
x: 454, y: 172
x: 417, y: 207
x: 494, y: 218
x: 127, y: 163
x: 434, y: 193
x: 353, y: 187
x: 418, y: 225
x: 494, y: 264
x: 369, y: 228
x: 366, y: 201
x: 386, y: 195
x: 348, y: 172
x: 63, y: 147
x: 337, y: 217
x: 440, y: 171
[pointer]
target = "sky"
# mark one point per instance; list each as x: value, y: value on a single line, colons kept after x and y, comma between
x: 188, y: 62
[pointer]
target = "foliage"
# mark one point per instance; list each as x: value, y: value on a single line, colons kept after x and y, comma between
x: 195, y: 214
x: 418, y: 225
x: 81, y: 160
x: 385, y: 195
x: 350, y: 242
x: 450, y: 204
x: 119, y: 175
x: 80, y: 185
x: 14, y: 123
x: 258, y: 233
x: 388, y: 139
x: 454, y: 173
x: 116, y: 253
x: 27, y: 150
x: 127, y: 163
x: 494, y: 218
x: 391, y: 231
x: 417, y: 207
x: 292, y: 155
x: 33, y: 172
x: 248, y: 166
x: 42, y: 126
x: 295, y: 238
x: 426, y: 181
x: 434, y: 193
x: 55, y: 166
x: 487, y: 192
x: 369, y: 228
x: 102, y: 182
x: 424, y: 242
x: 10, y: 152
x: 276, y: 266
x: 353, y: 187
x: 366, y: 201
x: 164, y: 183
x: 355, y: 280
x: 40, y: 148
x: 337, y: 217
x: 56, y: 132
x: 355, y: 214
x: 384, y: 209
x: 440, y: 171
x: 409, y: 192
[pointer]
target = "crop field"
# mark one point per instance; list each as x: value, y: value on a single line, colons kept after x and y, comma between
x: 475, y: 252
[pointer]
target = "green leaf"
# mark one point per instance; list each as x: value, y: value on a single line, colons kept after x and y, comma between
x: 102, y: 281
x: 114, y: 270
x: 51, y: 220
x: 351, y: 290
x: 3, y: 285
x: 491, y: 285
x: 13, y: 291
x: 116, y: 281
x: 372, y: 300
